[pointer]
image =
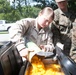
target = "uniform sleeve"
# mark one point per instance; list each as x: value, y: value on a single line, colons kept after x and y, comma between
x: 73, y: 46
x: 56, y: 18
x: 55, y: 28
x: 16, y: 33
x: 56, y: 34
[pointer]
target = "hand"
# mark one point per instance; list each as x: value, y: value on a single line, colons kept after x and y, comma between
x: 24, y: 53
x: 47, y: 47
x: 60, y: 45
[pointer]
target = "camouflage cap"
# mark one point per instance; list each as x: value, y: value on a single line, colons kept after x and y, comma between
x: 59, y: 0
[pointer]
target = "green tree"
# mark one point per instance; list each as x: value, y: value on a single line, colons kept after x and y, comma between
x: 32, y: 11
x: 46, y: 3
x: 4, y: 5
x: 19, y: 5
x: 4, y: 8
x: 72, y: 5
x: 7, y: 12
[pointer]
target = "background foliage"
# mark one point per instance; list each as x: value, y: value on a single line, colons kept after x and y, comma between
x: 22, y: 9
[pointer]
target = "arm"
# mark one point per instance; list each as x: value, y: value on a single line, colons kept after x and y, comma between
x: 16, y: 35
x: 17, y: 32
x: 55, y: 27
x: 56, y: 34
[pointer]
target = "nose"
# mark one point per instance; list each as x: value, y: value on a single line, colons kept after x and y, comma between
x: 47, y: 23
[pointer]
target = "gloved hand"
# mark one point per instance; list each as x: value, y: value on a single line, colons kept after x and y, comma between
x: 60, y: 45
x: 24, y: 53
x: 47, y: 47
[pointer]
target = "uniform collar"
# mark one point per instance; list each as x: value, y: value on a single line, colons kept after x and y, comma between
x: 63, y: 13
x: 68, y: 13
x: 36, y: 25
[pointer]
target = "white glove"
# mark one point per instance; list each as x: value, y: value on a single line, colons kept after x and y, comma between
x: 48, y: 47
x: 60, y: 45
x: 24, y: 53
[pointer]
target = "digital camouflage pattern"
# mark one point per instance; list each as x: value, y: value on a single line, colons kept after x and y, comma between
x: 62, y: 29
x: 28, y: 29
x: 73, y: 49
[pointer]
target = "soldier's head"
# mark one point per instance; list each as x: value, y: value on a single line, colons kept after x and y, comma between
x: 45, y: 17
x: 62, y: 4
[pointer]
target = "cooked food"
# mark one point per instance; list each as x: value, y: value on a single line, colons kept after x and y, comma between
x: 39, y: 68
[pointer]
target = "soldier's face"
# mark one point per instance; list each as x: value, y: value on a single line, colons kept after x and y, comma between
x: 44, y: 20
x: 62, y: 5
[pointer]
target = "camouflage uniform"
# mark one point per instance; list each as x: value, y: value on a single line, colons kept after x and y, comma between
x: 62, y: 29
x: 28, y: 29
x: 73, y: 48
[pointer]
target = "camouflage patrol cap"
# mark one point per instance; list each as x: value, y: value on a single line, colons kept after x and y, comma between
x: 59, y: 0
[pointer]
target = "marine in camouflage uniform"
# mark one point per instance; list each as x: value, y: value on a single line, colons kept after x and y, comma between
x: 33, y: 29
x: 62, y: 29
x: 28, y: 29
x: 73, y: 46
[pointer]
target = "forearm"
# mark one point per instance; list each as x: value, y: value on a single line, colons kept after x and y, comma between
x: 56, y: 34
x: 17, y: 32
